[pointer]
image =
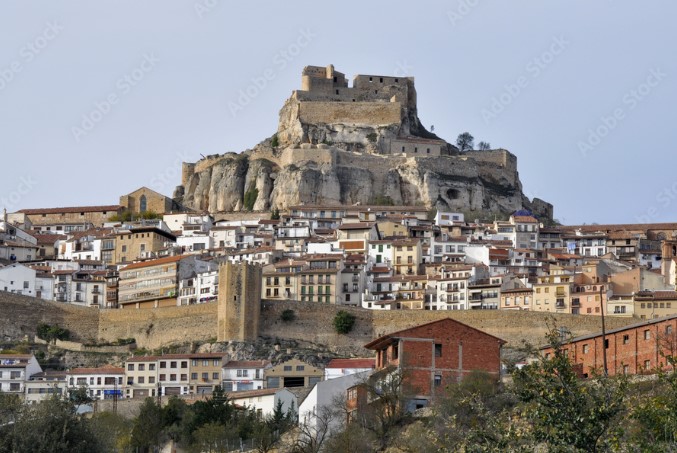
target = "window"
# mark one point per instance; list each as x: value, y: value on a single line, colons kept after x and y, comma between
x: 184, y: 377
x: 647, y: 334
x: 205, y: 376
x: 172, y: 364
x: 606, y: 343
x: 172, y: 377
x: 300, y: 368
x: 438, y: 380
x: 193, y: 376
x: 163, y: 377
x: 142, y: 367
x: 668, y: 330
x: 151, y: 380
x: 130, y: 367
x: 626, y: 369
x: 151, y: 366
x: 287, y: 368
x: 647, y: 364
x: 626, y: 339
x: 586, y: 348
x: 438, y: 350
x: 215, y: 376
x: 163, y: 364
x: 142, y: 380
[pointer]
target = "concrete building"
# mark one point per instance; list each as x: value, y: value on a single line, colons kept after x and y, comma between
x: 141, y: 243
x: 18, y: 279
x: 96, y: 215
x: 338, y: 368
x: 241, y: 375
x: 264, y: 401
x: 292, y: 373
x: 45, y: 385
x: 102, y: 383
x: 15, y: 370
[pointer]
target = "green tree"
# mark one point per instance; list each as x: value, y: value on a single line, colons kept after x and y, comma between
x: 79, y: 396
x: 344, y: 322
x: 51, y: 426
x: 564, y: 411
x: 250, y: 197
x: 288, y: 315
x: 147, y: 428
x: 275, y: 142
x: 465, y: 142
x: 113, y: 431
x: 275, y: 214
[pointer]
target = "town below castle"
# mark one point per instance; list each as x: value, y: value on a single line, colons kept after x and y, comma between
x: 352, y: 251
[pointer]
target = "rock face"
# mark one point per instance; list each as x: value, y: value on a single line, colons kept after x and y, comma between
x: 478, y: 181
x: 344, y: 145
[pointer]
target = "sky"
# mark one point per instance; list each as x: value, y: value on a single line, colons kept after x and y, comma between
x: 100, y: 98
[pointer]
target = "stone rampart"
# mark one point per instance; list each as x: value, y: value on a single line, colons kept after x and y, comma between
x: 153, y: 328
x: 368, y: 113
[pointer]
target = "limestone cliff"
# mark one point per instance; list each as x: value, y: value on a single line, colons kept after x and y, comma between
x: 321, y: 174
x: 337, y: 144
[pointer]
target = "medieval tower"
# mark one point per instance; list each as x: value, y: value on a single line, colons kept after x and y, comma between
x: 239, y: 302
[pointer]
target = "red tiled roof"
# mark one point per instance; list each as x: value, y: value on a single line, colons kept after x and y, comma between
x: 356, y: 226
x: 101, y: 370
x: 113, y: 208
x: 525, y: 219
x: 157, y: 262
x: 246, y: 364
x: 352, y: 363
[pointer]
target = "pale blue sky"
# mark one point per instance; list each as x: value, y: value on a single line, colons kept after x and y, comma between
x: 100, y: 98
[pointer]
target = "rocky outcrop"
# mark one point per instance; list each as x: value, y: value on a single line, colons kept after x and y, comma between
x: 328, y: 175
x: 337, y: 144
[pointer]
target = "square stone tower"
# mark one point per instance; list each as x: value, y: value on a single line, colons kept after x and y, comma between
x: 239, y: 302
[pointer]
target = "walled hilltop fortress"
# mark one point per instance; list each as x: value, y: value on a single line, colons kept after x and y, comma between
x: 336, y: 144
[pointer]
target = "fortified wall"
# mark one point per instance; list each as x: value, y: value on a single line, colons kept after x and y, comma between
x: 155, y: 328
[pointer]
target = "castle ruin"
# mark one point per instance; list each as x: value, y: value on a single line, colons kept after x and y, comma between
x: 377, y: 114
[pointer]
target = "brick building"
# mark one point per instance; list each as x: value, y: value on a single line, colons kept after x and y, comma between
x: 635, y: 349
x: 434, y: 354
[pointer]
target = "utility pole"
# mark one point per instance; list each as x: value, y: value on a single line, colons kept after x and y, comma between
x: 601, y: 303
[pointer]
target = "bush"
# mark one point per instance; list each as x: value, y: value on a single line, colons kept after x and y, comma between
x: 343, y: 322
x: 250, y: 197
x: 52, y: 333
x: 288, y: 315
x: 274, y: 142
x: 372, y: 137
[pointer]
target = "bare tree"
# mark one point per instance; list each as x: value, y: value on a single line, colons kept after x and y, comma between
x: 314, y: 431
x: 484, y: 146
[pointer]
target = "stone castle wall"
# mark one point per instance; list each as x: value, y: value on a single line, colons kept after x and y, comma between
x: 153, y: 328
x: 368, y: 113
x: 19, y: 316
x: 499, y: 157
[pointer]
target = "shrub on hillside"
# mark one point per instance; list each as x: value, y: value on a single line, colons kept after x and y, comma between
x: 344, y: 322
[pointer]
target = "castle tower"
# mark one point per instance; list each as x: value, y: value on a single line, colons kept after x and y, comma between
x: 239, y: 302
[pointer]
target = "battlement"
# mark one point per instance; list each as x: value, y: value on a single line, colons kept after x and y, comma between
x: 326, y: 84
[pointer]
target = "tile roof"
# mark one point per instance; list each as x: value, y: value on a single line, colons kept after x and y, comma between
x: 157, y: 262
x: 352, y: 363
x: 247, y: 364
x: 70, y: 209
x: 100, y: 370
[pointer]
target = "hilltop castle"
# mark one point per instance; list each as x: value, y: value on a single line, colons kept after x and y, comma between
x: 377, y: 114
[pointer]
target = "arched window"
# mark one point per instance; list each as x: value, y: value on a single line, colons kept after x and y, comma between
x: 142, y: 203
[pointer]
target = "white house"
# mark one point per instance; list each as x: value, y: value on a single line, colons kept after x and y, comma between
x: 18, y: 279
x: 343, y: 367
x: 44, y: 385
x: 264, y: 401
x: 324, y: 396
x: 15, y: 370
x: 101, y: 383
x: 241, y: 375
x: 448, y: 218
